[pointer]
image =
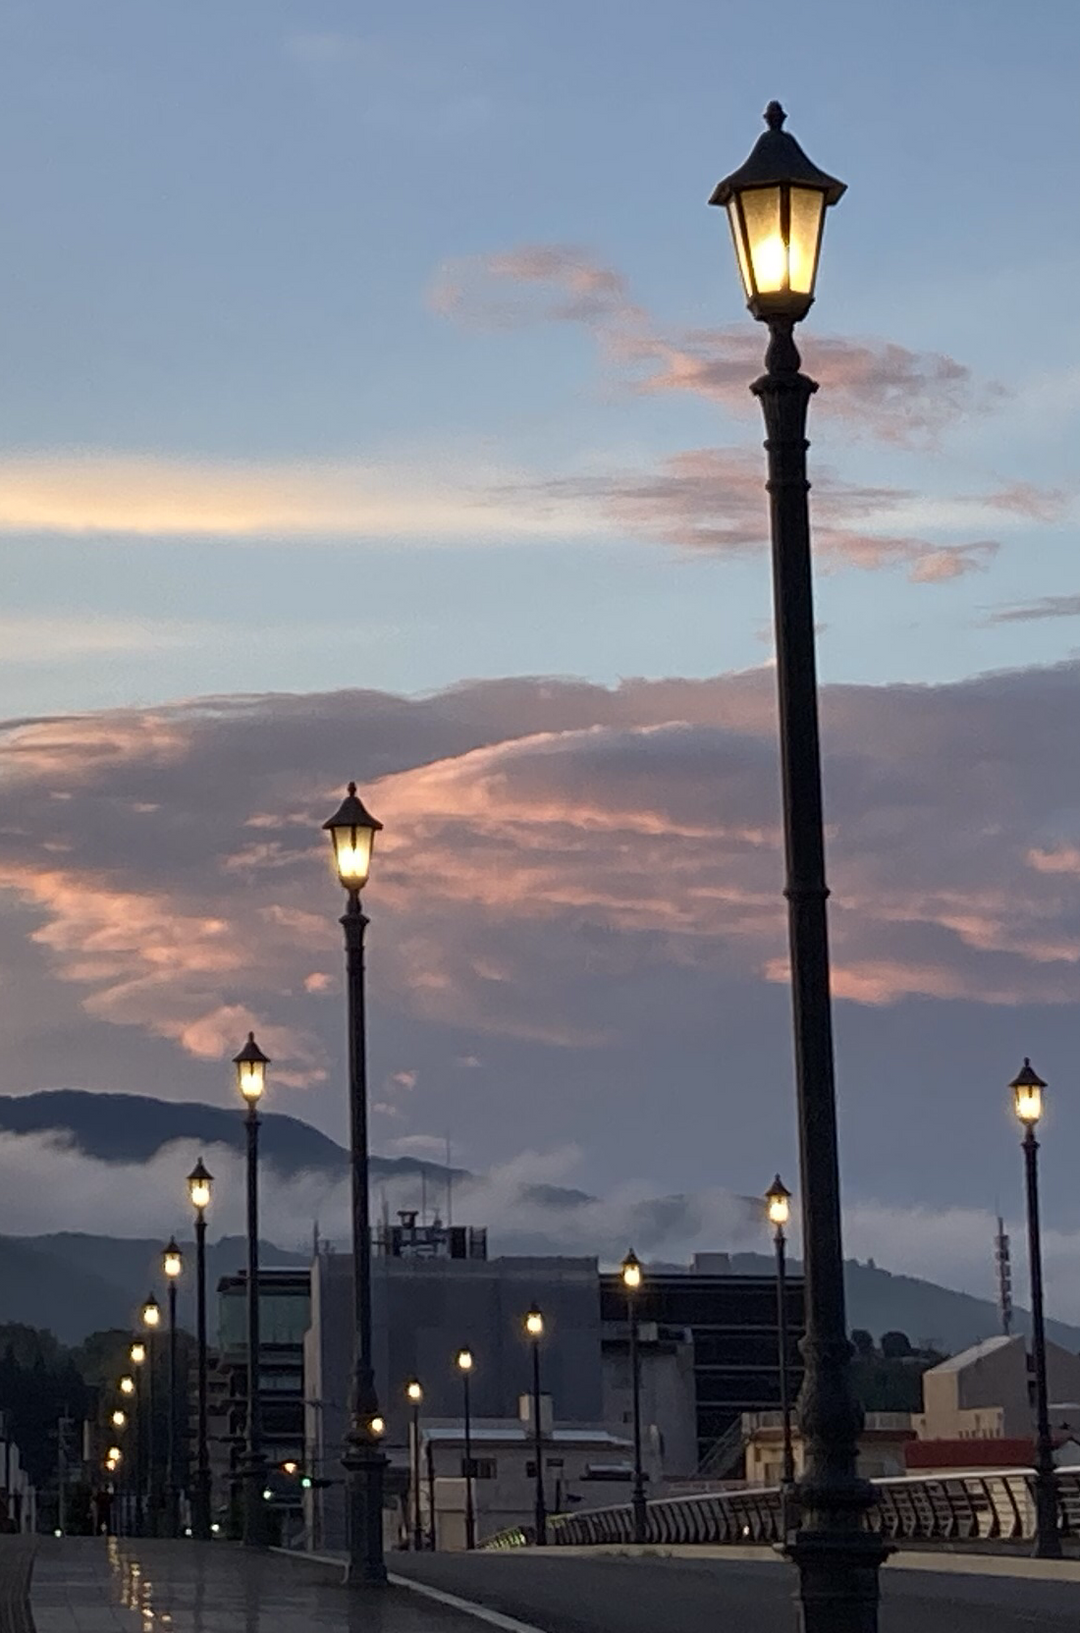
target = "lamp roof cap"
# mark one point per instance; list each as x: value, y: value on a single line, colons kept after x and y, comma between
x: 251, y: 1054
x: 777, y: 157
x: 1027, y: 1077
x: 353, y: 813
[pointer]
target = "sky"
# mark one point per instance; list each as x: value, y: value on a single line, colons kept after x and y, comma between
x: 375, y: 405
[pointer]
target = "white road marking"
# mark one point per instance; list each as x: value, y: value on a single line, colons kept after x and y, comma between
x: 494, y: 1618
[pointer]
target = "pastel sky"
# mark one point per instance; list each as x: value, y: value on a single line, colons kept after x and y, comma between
x: 362, y: 367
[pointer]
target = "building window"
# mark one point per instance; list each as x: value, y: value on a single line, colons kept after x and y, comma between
x: 483, y: 1468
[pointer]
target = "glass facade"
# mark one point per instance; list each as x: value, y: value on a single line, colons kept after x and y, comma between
x: 733, y: 1325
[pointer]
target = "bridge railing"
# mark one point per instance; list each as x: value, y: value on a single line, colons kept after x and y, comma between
x: 997, y: 1506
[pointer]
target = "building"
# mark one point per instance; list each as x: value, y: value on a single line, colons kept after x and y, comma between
x: 987, y: 1392
x: 425, y: 1308
x: 730, y: 1324
x: 284, y: 1317
x: 882, y: 1447
x: 584, y: 1467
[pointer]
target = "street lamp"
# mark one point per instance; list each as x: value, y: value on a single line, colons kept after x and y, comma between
x: 200, y: 1184
x: 172, y: 1263
x: 534, y: 1328
x: 776, y: 205
x: 150, y: 1316
x: 119, y: 1419
x: 1027, y: 1087
x: 251, y: 1066
x: 127, y: 1385
x: 352, y: 831
x: 415, y: 1395
x: 778, y: 1205
x: 464, y: 1361
x: 631, y: 1280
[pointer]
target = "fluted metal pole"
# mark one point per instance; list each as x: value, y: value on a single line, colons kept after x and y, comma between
x: 253, y: 1471
x: 201, y: 1515
x: 470, y: 1508
x: 641, y: 1514
x: 540, y: 1505
x: 838, y: 1559
x: 1047, y: 1537
x: 364, y: 1459
x: 172, y: 1501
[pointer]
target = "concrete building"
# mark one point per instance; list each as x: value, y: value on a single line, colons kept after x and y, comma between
x: 987, y: 1392
x: 584, y: 1467
x: 881, y: 1452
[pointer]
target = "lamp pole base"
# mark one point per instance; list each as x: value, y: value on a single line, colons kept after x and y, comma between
x: 253, y: 1474
x: 365, y: 1466
x: 838, y: 1579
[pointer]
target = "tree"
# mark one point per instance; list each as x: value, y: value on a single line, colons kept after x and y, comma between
x: 896, y: 1346
x: 863, y: 1341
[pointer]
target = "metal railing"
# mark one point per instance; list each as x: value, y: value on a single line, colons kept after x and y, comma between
x: 997, y: 1506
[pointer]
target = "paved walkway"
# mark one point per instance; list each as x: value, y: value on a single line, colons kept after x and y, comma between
x: 124, y: 1586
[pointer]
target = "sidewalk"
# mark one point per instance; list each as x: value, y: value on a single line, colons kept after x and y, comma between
x: 91, y: 1585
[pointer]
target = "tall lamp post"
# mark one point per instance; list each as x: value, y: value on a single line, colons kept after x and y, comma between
x: 534, y: 1327
x: 415, y: 1394
x: 151, y: 1320
x: 352, y: 831
x: 778, y: 1204
x: 1027, y: 1087
x: 631, y: 1280
x: 200, y: 1185
x: 251, y: 1066
x: 127, y: 1388
x: 776, y: 205
x: 464, y: 1361
x: 172, y: 1263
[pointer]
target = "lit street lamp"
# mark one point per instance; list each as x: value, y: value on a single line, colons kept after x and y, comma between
x: 1027, y: 1087
x: 127, y: 1386
x: 352, y: 831
x: 631, y: 1280
x: 534, y: 1327
x: 778, y: 1204
x: 415, y: 1395
x: 251, y: 1066
x: 464, y: 1361
x: 151, y: 1320
x: 776, y: 205
x: 172, y: 1263
x: 200, y: 1185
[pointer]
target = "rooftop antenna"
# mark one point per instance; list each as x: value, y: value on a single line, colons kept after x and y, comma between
x: 1004, y: 1272
x: 449, y: 1187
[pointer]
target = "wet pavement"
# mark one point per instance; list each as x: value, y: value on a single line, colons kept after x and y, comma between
x: 110, y: 1585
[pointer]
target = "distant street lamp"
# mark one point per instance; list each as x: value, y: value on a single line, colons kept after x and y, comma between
x: 776, y: 205
x: 172, y: 1263
x: 415, y: 1395
x: 778, y: 1203
x: 200, y: 1185
x: 151, y: 1320
x: 251, y: 1066
x: 1027, y: 1087
x: 127, y: 1386
x: 119, y: 1419
x: 631, y: 1280
x: 534, y: 1327
x: 464, y: 1362
x: 352, y: 831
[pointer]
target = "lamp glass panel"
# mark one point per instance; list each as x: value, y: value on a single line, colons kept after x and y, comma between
x: 200, y: 1193
x: 352, y: 853
x: 768, y: 252
x: 779, y: 1210
x: 807, y: 207
x: 735, y: 223
x: 1028, y: 1102
x: 251, y: 1076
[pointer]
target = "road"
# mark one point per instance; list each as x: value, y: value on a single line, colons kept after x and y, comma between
x: 583, y: 1594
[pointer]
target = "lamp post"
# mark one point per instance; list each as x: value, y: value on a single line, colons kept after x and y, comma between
x: 1027, y: 1087
x: 151, y: 1320
x: 778, y: 1204
x: 415, y: 1394
x: 464, y: 1360
x: 776, y: 205
x: 137, y: 1357
x: 200, y: 1185
x: 251, y: 1066
x: 172, y: 1263
x: 534, y: 1327
x: 631, y: 1280
x: 352, y: 831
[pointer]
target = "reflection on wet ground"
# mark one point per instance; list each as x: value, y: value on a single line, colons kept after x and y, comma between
x: 112, y: 1585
